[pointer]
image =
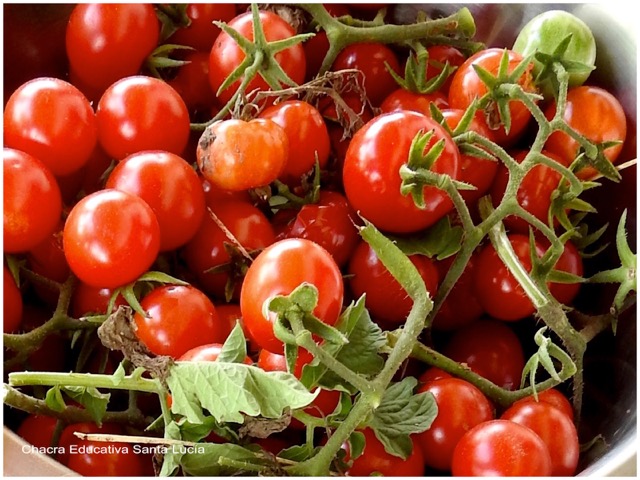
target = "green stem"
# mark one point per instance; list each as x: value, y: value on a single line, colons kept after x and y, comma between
x: 21, y: 379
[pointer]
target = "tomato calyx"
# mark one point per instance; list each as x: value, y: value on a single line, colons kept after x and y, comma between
x: 415, y: 79
x: 172, y: 17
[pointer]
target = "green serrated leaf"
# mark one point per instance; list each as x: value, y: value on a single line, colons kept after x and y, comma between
x: 229, y: 390
x: 54, y: 399
x: 400, y: 414
x: 440, y: 241
x: 94, y: 401
x: 119, y: 374
x: 173, y: 457
x: 234, y: 349
x: 298, y: 453
x: 130, y: 296
x: 204, y: 460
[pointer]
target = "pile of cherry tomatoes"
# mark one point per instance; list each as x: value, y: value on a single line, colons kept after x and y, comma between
x: 106, y: 180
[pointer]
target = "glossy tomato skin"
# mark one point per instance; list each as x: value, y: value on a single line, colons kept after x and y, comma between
x: 439, y: 55
x: 376, y: 459
x: 501, y: 448
x: 53, y: 121
x: 371, y: 175
x: 111, y: 238
x: 230, y: 314
x: 461, y: 406
x: 202, y: 32
x: 497, y: 290
x: 32, y: 201
x: 370, y: 59
x: 386, y: 300
x: 467, y: 86
x: 140, y: 113
x: 594, y: 113
x: 170, y: 186
x: 296, y: 261
x: 491, y: 349
x: 119, y: 461
x: 401, y: 99
x: 175, y: 313
x: 308, y: 137
x: 226, y: 55
x: 87, y: 300
x: 555, y: 429
x: 100, y: 45
x: 237, y: 155
x: 11, y: 303
x: 207, y: 353
x: 192, y: 83
x: 69, y: 440
x: 206, y: 250
x: 553, y: 397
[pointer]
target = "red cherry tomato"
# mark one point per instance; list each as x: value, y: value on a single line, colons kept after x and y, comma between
x: 307, y: 134
x: 48, y: 259
x: 164, y: 335
x: 594, y: 113
x: 461, y: 406
x: 88, y: 300
x: 501, y: 448
x: 207, y: 353
x: 100, y: 45
x: 11, y: 303
x: 107, y: 459
x: 32, y: 202
x: 111, y: 238
x: 402, y: 99
x: 226, y: 55
x: 375, y: 459
x: 371, y: 172
x: 179, y: 205
x: 467, y: 86
x: 555, y: 429
x: 142, y: 113
x: 201, y: 31
x: 37, y: 430
x: 68, y: 439
x: 385, y: 298
x: 439, y: 55
x: 491, y: 349
x: 297, y: 261
x: 433, y: 373
x: 571, y: 262
x: 192, y: 83
x: 53, y: 121
x: 552, y: 397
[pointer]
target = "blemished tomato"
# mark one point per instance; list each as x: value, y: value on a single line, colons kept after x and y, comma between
x: 501, y: 448
x: 371, y: 173
x: 375, y: 458
x: 53, y: 121
x: 110, y: 238
x: 553, y: 397
x: 307, y: 134
x: 120, y: 460
x: 330, y: 223
x: 87, y: 300
x: 170, y: 186
x: 207, y: 353
x: 140, y: 113
x: 597, y: 115
x: 226, y: 55
x: 467, y: 86
x: 11, y: 303
x: 297, y: 261
x: 201, y: 31
x: 237, y: 155
x: 174, y: 314
x: 208, y: 248
x: 32, y: 203
x: 491, y: 349
x: 372, y: 60
x: 461, y: 406
x: 100, y: 45
x: 192, y: 82
x: 37, y: 430
x: 386, y: 300
x: 402, y: 99
x: 497, y: 290
x: 555, y: 429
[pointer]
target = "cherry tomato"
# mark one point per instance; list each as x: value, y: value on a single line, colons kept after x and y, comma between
x: 192, y: 82
x: 88, y: 300
x: 174, y: 314
x: 107, y: 459
x: 100, y: 45
x: 553, y: 397
x: 501, y: 448
x: 439, y: 55
x: 68, y: 439
x: 497, y: 290
x: 32, y: 202
x: 48, y: 259
x: 111, y: 238
x: 215, y: 195
x: 385, y: 298
x: 297, y: 261
x: 37, y: 430
x: 207, y: 353
x: 374, y: 458
x: 433, y: 373
x: 467, y: 86
x: 53, y: 121
x: 401, y: 99
x: 226, y: 55
x: 330, y: 223
x: 307, y: 134
x: 201, y: 31
x: 461, y: 406
x: 142, y: 113
x: 11, y: 303
x: 491, y: 349
x: 571, y: 262
x: 372, y: 59
x: 237, y: 155
x: 371, y: 172
x: 172, y: 189
x: 597, y: 115
x: 208, y: 248
x: 555, y: 429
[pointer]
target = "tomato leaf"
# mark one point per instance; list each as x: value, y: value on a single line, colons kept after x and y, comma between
x: 440, y: 241
x: 171, y: 460
x: 234, y: 349
x: 54, y: 399
x: 94, y: 401
x: 207, y: 460
x: 227, y: 390
x: 400, y: 414
x: 298, y: 453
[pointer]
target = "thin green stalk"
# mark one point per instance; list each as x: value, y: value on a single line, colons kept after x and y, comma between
x: 51, y: 379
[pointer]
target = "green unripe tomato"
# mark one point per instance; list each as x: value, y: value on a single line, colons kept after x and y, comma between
x: 544, y: 33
